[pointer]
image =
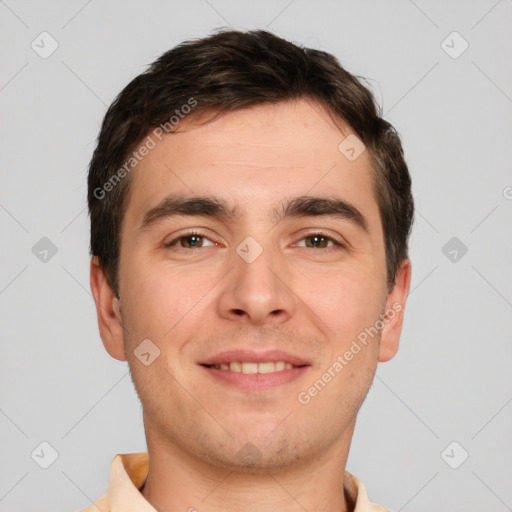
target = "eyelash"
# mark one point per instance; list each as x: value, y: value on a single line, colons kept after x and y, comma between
x: 337, y: 245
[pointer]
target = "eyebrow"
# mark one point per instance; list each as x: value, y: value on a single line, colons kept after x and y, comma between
x: 297, y: 207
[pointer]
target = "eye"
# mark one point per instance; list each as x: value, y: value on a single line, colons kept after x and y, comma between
x: 190, y: 240
x: 320, y: 240
x: 196, y: 240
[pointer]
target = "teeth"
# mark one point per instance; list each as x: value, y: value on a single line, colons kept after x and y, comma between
x: 266, y: 367
x: 235, y: 367
x: 250, y: 367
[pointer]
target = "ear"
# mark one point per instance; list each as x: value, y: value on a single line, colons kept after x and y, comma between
x: 110, y: 322
x: 394, y: 313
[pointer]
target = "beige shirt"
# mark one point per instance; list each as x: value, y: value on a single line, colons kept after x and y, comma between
x: 128, y: 473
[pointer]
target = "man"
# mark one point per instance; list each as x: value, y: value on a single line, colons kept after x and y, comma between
x: 250, y: 212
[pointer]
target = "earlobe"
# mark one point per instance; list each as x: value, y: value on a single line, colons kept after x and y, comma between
x: 394, y: 313
x: 108, y: 312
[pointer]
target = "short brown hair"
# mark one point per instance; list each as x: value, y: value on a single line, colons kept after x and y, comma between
x: 232, y: 70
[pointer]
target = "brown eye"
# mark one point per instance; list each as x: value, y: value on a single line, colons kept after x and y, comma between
x: 320, y: 241
x: 190, y: 240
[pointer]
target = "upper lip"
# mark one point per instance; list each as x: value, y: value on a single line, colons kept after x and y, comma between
x: 251, y: 356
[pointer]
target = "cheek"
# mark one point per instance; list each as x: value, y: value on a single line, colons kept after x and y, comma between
x: 160, y: 298
x: 345, y: 300
x: 160, y: 305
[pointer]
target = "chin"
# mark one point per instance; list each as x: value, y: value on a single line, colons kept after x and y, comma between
x: 264, y: 457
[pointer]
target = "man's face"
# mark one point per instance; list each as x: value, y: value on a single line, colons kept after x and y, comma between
x: 254, y: 286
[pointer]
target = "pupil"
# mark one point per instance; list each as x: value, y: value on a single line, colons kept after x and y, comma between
x: 192, y: 237
x: 317, y: 239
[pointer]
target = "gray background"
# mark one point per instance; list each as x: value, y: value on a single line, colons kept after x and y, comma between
x: 451, y: 379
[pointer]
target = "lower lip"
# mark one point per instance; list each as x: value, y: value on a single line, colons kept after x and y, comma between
x: 256, y: 381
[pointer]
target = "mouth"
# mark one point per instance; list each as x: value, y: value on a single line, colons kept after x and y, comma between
x: 248, y: 367
x: 250, y: 371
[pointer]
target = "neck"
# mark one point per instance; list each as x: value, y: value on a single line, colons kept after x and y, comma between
x: 178, y: 480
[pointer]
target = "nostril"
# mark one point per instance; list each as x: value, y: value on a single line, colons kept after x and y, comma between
x: 239, y: 312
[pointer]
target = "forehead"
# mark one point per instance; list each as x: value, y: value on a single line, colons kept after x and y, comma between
x: 254, y: 157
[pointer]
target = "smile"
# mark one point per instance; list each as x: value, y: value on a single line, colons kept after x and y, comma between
x: 253, y: 367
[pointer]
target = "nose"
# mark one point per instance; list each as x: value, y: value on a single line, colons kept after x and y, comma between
x: 259, y: 289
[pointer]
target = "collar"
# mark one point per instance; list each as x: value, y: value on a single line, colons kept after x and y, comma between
x: 129, y: 471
